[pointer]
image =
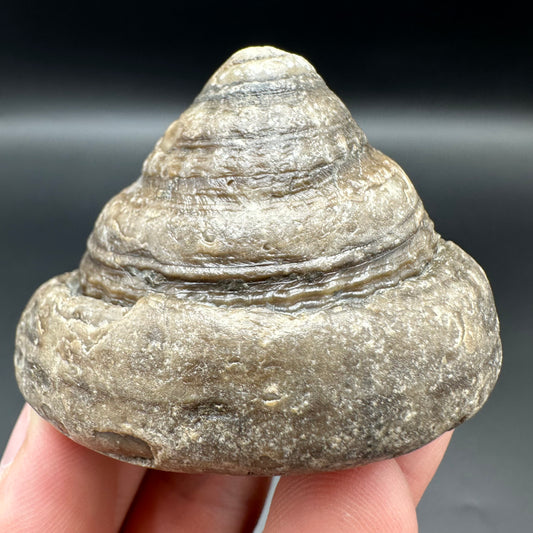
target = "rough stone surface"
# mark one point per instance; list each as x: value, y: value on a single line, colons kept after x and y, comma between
x: 269, y: 297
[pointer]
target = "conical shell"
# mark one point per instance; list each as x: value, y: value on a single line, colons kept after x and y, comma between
x: 267, y: 180
x: 268, y: 297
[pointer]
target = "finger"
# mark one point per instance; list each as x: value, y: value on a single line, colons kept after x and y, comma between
x: 420, y: 466
x: 55, y: 485
x: 197, y: 503
x: 371, y: 498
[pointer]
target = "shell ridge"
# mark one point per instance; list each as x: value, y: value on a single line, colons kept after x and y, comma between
x: 289, y: 291
x: 328, y: 263
x: 259, y: 89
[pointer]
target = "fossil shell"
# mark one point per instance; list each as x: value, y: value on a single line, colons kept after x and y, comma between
x: 269, y: 296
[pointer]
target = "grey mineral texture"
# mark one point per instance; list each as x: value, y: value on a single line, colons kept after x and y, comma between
x: 269, y: 297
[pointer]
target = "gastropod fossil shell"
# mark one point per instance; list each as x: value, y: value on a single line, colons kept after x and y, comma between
x: 269, y: 296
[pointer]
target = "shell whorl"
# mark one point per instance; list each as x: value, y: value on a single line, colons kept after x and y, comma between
x: 265, y: 190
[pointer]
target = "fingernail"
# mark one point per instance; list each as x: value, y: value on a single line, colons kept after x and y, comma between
x: 17, y: 438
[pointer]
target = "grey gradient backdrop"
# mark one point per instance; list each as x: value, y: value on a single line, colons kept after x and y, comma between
x: 80, y: 110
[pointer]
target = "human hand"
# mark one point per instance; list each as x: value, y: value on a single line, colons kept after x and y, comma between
x: 49, y: 484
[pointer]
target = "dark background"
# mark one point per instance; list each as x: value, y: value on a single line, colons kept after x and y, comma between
x: 86, y: 90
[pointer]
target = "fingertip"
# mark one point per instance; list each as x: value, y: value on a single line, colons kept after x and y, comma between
x: 420, y: 466
x: 373, y: 498
x: 18, y: 435
x: 54, y: 484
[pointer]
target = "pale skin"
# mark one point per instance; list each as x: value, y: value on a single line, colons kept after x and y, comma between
x: 52, y: 485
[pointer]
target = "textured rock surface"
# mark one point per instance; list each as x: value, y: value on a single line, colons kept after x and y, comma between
x: 269, y: 297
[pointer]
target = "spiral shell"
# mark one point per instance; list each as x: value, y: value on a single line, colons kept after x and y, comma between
x: 268, y: 297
